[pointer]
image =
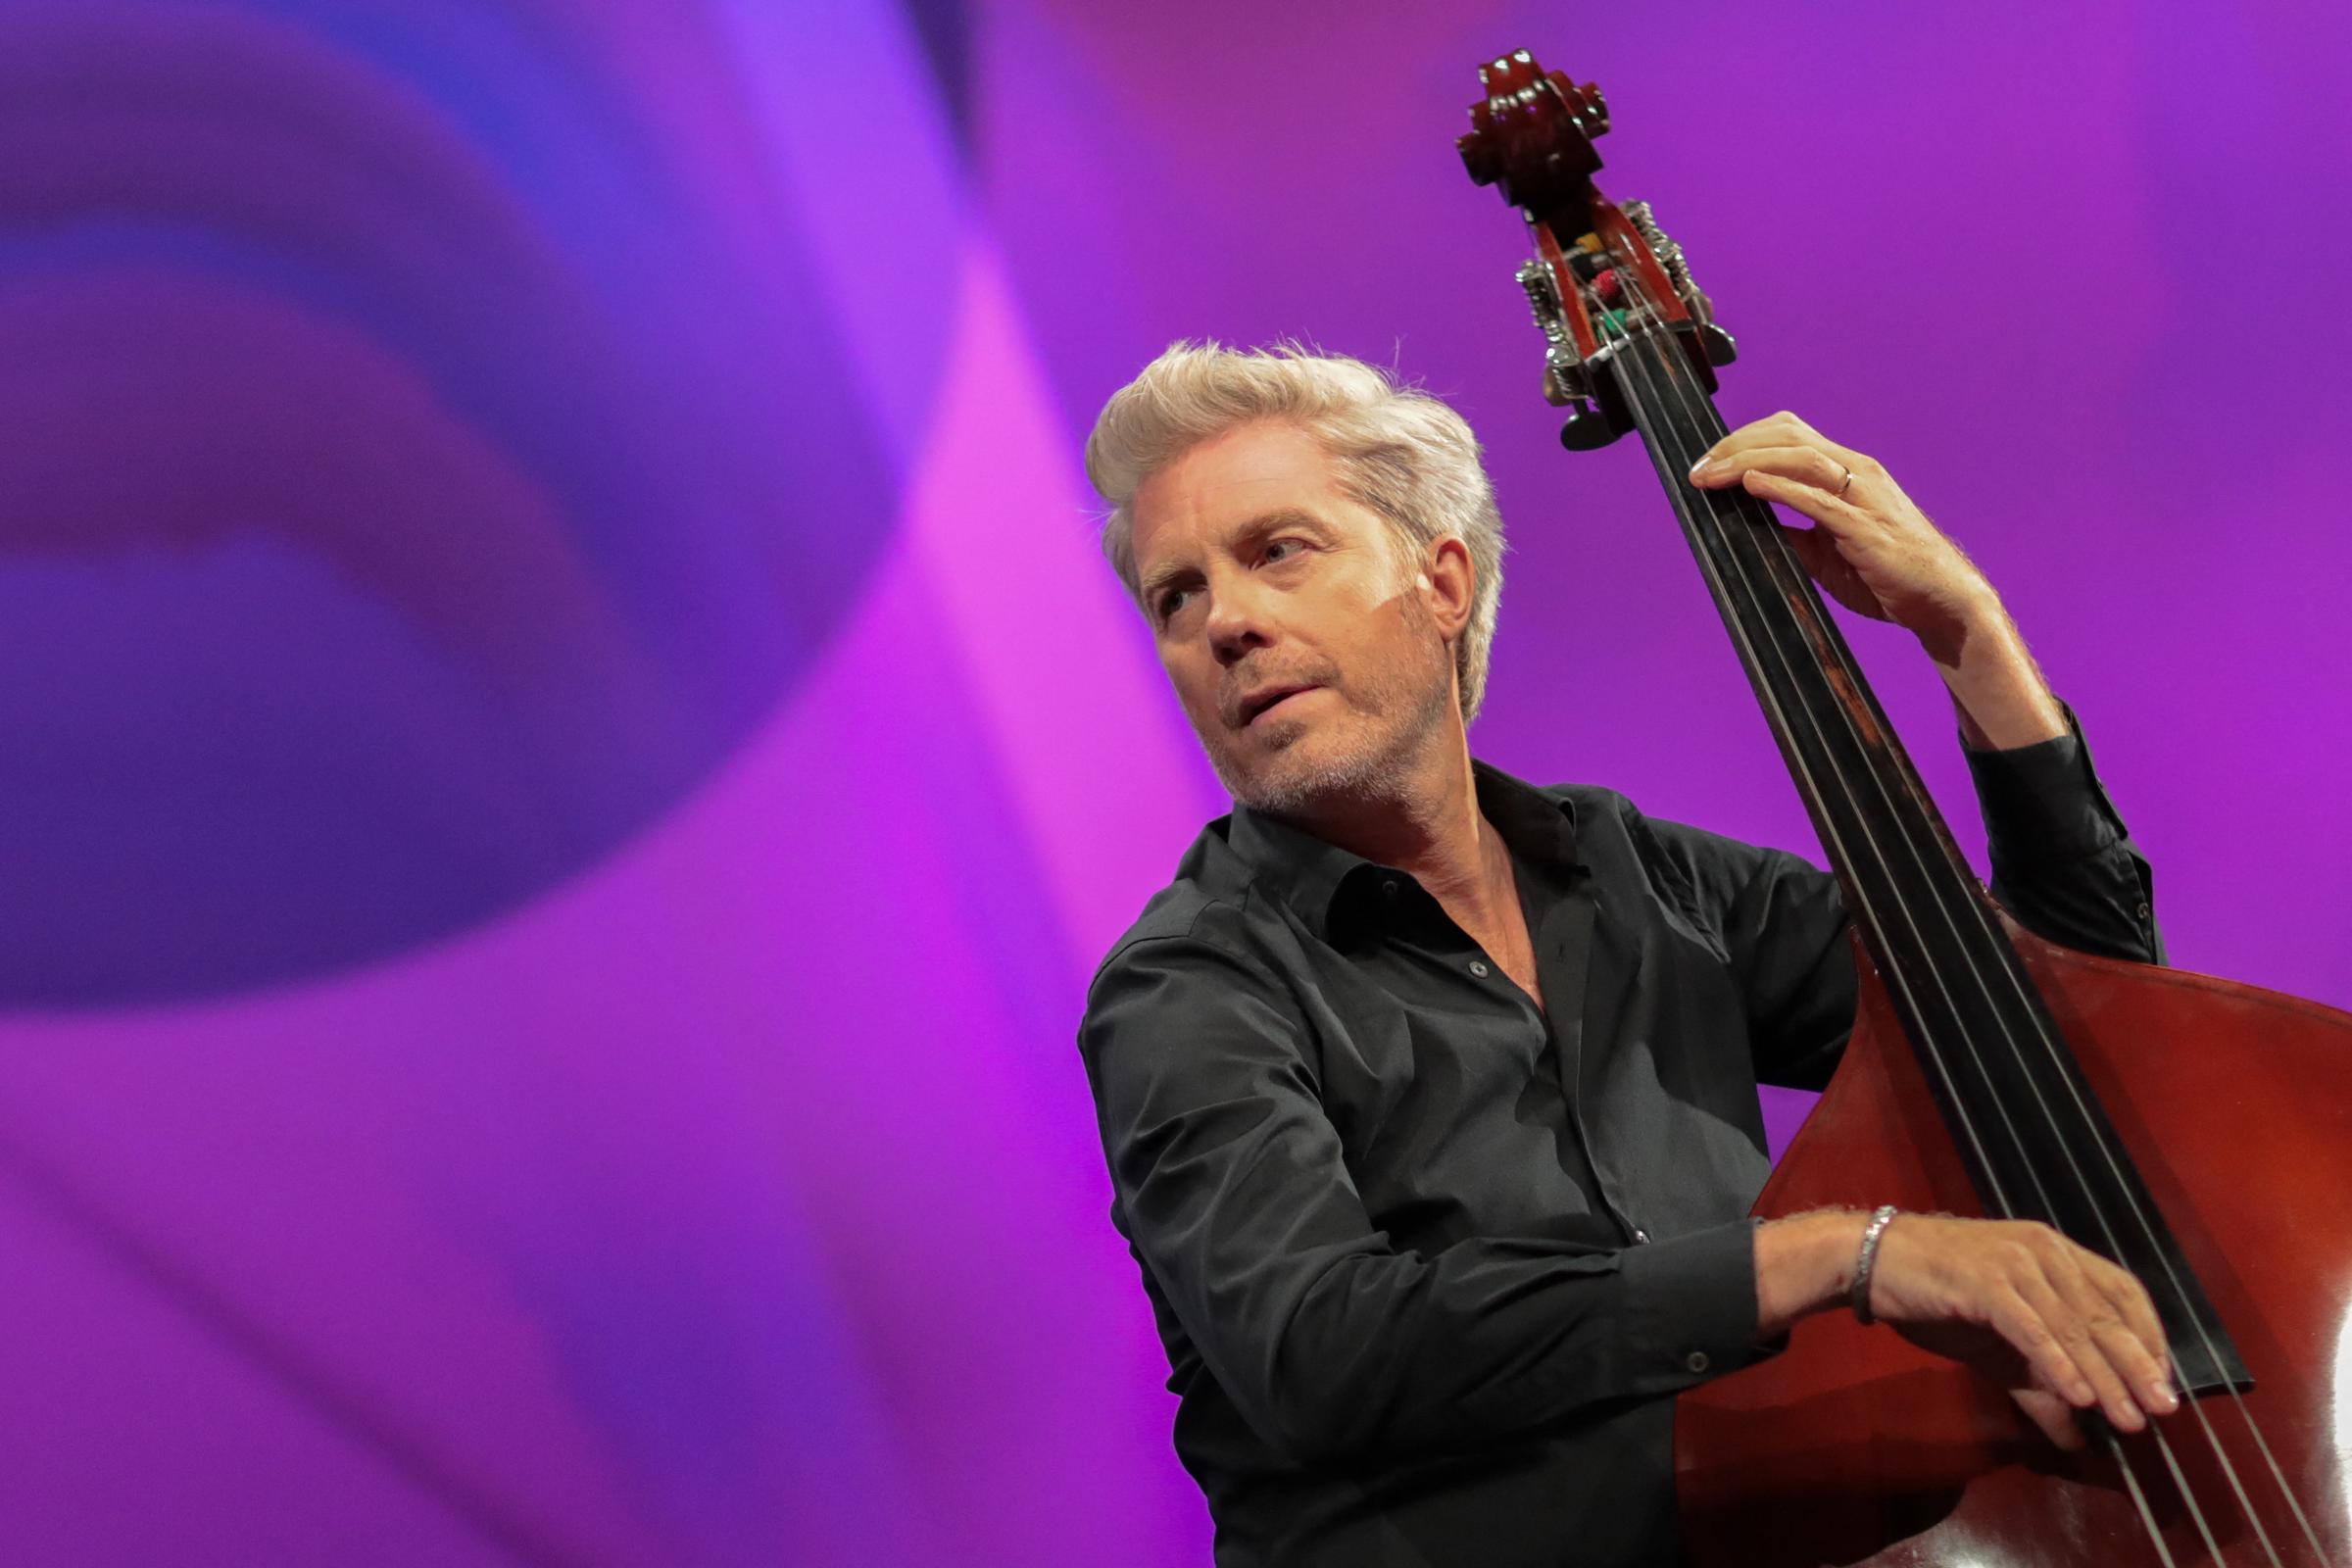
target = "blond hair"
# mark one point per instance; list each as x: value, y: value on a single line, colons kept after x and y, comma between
x: 1396, y: 450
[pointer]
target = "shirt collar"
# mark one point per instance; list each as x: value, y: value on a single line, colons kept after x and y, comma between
x: 1318, y: 879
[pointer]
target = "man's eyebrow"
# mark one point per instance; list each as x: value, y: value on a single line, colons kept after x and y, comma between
x: 1266, y: 522
x: 1257, y: 528
x: 1160, y: 581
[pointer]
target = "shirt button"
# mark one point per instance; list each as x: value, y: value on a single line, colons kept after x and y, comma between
x: 1478, y: 967
x: 2143, y: 912
x: 1697, y: 1361
x: 1387, y: 886
x: 1641, y: 1235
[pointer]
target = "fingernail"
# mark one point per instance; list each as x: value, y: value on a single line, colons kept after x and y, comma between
x: 1703, y: 468
x: 2166, y: 1400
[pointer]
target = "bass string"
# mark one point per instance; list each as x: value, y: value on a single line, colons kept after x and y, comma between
x: 1865, y: 913
x: 2000, y: 1199
x: 1670, y: 462
x: 1722, y: 547
x: 1830, y: 827
x: 1831, y: 830
x: 1739, y: 627
x: 1781, y: 564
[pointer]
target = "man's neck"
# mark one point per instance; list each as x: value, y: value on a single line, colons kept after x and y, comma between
x: 1429, y: 824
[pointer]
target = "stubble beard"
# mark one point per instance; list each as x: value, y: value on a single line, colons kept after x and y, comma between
x: 1405, y: 705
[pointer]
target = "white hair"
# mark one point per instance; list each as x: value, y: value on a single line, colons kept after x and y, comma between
x: 1397, y: 448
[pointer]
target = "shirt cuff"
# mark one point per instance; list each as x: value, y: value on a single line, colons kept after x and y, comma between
x: 2045, y: 803
x: 1690, y: 1308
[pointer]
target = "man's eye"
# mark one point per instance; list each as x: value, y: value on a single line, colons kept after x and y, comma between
x: 1170, y: 601
x: 1288, y: 545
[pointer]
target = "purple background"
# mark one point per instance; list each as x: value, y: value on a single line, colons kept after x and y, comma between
x: 567, y: 754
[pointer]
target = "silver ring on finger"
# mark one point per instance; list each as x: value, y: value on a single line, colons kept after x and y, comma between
x: 1849, y: 479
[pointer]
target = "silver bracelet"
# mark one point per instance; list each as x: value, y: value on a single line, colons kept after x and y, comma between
x: 1867, y: 1259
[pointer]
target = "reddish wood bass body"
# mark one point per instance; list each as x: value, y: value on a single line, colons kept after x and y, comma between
x: 1852, y: 1445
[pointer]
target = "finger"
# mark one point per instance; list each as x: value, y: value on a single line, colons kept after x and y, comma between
x: 2073, y: 1325
x: 1785, y: 430
x: 2142, y: 1331
x: 2131, y: 1297
x: 1815, y: 548
x: 1782, y: 429
x: 1816, y: 551
x: 2051, y: 1414
x: 1814, y: 502
x: 1807, y: 465
x: 2106, y: 1299
x: 2017, y: 1322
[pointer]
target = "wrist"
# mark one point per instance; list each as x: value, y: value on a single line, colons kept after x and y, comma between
x: 1982, y: 615
x: 1958, y: 624
x: 1997, y: 690
x: 1805, y: 1265
x: 1866, y: 1260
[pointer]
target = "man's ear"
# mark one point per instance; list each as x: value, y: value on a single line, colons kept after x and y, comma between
x: 1447, y: 583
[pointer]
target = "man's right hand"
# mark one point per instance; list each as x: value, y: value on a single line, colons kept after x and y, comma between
x: 2059, y: 1326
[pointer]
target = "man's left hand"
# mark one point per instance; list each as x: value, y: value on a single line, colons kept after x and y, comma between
x: 1875, y: 551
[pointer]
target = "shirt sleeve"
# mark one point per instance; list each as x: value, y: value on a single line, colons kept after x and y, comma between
x: 2061, y: 863
x: 1786, y: 930
x: 1233, y: 1186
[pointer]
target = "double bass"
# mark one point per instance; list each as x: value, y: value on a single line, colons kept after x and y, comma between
x: 2194, y: 1129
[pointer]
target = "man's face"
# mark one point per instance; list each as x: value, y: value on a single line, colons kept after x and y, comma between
x: 1295, y: 637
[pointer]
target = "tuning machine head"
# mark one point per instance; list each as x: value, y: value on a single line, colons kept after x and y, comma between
x: 1713, y: 340
x: 1603, y: 278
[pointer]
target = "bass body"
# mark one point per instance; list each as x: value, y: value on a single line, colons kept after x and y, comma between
x: 1854, y: 1447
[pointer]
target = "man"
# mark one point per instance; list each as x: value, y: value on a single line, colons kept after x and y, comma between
x: 1428, y: 1096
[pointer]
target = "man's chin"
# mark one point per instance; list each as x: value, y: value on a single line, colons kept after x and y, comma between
x: 1294, y: 764
x: 1296, y: 773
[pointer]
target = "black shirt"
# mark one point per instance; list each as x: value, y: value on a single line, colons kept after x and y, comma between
x: 1427, y: 1262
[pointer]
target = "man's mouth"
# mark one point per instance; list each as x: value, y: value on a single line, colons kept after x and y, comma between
x: 1257, y: 708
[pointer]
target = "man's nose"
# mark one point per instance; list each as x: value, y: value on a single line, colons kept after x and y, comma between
x: 1238, y: 621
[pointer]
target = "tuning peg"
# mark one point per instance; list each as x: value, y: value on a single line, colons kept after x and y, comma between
x: 1590, y: 427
